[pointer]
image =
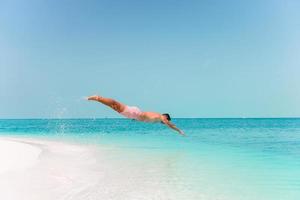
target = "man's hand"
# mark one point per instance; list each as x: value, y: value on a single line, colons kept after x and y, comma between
x: 182, y: 133
x: 172, y: 126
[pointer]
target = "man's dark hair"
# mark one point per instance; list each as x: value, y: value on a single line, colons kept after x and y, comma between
x: 168, y: 116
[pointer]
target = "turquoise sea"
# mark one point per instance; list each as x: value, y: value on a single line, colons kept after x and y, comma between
x: 220, y: 159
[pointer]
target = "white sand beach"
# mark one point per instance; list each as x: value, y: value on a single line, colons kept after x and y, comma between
x: 15, y: 156
x: 35, y: 169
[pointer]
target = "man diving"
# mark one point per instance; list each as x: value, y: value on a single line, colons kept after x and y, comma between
x: 133, y: 112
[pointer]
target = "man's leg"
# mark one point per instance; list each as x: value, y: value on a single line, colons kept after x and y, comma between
x: 117, y: 106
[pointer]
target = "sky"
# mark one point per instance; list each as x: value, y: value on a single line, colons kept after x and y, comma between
x: 187, y: 58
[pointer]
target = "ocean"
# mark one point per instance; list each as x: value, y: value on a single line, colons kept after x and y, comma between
x: 220, y: 159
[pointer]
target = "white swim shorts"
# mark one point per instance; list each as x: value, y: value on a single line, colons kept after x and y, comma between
x: 132, y: 112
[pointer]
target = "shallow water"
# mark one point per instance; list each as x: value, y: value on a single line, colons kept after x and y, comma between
x: 220, y: 159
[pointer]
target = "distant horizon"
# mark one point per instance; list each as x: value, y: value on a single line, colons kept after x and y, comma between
x: 172, y: 118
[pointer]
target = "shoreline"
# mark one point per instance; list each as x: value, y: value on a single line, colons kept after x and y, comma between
x: 62, y: 170
x: 37, y: 169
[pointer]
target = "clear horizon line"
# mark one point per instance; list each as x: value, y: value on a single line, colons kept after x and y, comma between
x: 34, y: 118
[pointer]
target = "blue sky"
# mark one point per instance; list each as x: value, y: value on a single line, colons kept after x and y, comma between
x: 187, y: 58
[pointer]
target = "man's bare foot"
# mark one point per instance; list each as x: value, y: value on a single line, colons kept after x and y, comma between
x: 93, y: 98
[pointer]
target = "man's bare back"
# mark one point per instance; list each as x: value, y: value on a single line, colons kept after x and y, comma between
x: 151, y: 117
x: 133, y: 112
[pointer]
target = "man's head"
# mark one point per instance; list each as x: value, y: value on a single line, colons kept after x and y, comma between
x: 167, y: 116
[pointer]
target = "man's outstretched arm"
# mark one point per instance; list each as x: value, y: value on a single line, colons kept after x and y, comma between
x: 172, y: 126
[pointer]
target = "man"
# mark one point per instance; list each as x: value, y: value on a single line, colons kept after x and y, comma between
x: 133, y: 112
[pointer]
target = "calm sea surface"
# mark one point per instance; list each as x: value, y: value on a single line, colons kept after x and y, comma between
x: 220, y: 158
